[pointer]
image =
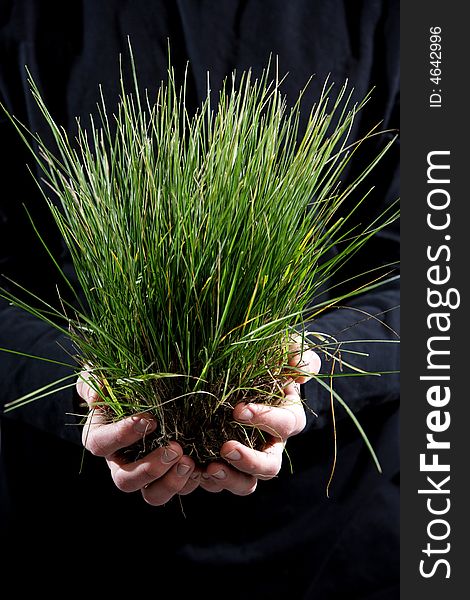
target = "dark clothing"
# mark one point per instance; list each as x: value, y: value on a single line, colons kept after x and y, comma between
x: 287, y: 537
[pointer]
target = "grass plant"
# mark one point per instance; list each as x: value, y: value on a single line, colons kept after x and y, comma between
x: 200, y: 242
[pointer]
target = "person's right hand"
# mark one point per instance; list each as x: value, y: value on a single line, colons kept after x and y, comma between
x: 159, y: 475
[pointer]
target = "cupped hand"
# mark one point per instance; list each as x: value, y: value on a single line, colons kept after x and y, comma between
x: 247, y: 466
x: 159, y: 475
x: 167, y: 471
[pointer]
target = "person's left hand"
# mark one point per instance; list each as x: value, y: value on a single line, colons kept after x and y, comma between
x: 247, y: 466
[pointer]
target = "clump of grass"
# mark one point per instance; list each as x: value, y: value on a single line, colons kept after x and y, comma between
x: 200, y: 242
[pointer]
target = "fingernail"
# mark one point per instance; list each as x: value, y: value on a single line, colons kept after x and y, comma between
x: 246, y: 414
x: 142, y: 425
x: 169, y: 456
x: 233, y: 455
x: 205, y: 476
x: 220, y: 474
x: 183, y: 469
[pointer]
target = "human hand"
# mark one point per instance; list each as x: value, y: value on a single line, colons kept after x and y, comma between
x: 159, y: 475
x: 166, y: 471
x: 247, y: 466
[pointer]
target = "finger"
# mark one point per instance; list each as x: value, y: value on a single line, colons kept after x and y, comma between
x: 159, y: 492
x: 219, y: 476
x: 210, y: 485
x: 133, y: 476
x: 264, y: 464
x: 281, y: 421
x: 192, y: 483
x: 85, y: 390
x: 306, y: 363
x: 102, y: 438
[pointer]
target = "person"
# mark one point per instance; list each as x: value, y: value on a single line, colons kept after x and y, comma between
x: 272, y: 530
